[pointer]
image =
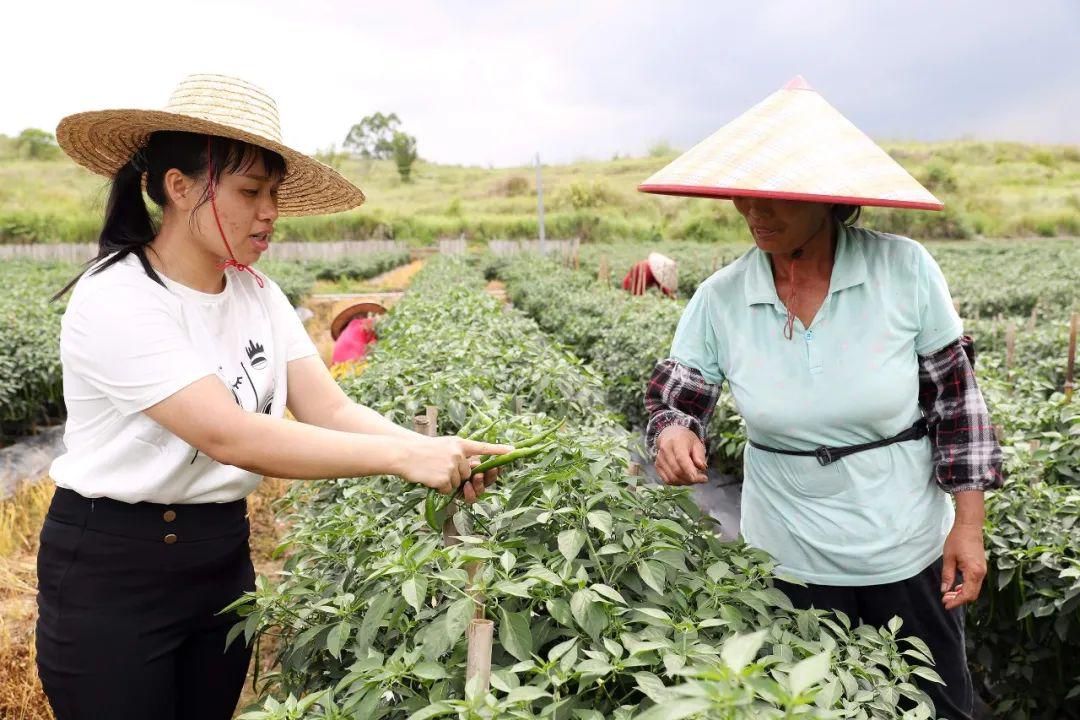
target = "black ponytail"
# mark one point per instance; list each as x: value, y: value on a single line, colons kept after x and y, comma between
x: 846, y: 215
x: 128, y: 227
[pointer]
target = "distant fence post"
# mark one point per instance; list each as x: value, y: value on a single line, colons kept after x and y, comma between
x: 540, y: 203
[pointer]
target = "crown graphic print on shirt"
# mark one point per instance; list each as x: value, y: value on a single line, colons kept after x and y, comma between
x: 256, y: 355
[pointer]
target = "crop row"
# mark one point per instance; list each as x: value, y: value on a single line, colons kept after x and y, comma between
x: 1026, y: 626
x: 987, y: 277
x: 611, y: 598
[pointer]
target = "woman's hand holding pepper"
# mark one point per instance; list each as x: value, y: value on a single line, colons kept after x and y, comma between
x: 443, y: 463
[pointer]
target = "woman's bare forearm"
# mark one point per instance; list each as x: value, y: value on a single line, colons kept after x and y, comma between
x: 356, y: 418
x: 970, y: 507
x: 287, y: 449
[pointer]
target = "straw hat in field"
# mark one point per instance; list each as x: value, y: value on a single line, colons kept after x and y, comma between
x: 104, y: 140
x: 664, y: 270
x: 346, y: 310
x: 793, y: 145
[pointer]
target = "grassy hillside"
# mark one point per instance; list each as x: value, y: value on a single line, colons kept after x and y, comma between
x: 990, y: 189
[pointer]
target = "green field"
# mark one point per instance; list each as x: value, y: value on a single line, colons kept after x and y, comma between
x: 613, y: 598
x: 990, y: 189
x: 609, y: 599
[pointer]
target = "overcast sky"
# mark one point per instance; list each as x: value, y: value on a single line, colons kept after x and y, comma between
x: 490, y: 83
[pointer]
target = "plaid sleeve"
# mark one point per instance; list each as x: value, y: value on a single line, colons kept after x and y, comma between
x: 677, y: 394
x: 966, y: 453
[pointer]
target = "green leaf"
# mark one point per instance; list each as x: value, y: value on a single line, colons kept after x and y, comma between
x: 430, y: 671
x: 560, y: 610
x: 570, y: 542
x: 927, y: 673
x: 594, y: 666
x: 439, y: 708
x: 525, y: 693
x: 656, y: 614
x: 414, y: 590
x: 588, y: 613
x: 652, y: 687
x: 561, y: 649
x: 718, y: 570
x: 808, y: 672
x: 450, y: 628
x: 652, y: 574
x: 373, y: 620
x: 337, y: 638
x: 676, y: 709
x: 609, y: 592
x: 740, y: 650
x: 601, y: 520
x: 504, y: 680
x: 515, y: 635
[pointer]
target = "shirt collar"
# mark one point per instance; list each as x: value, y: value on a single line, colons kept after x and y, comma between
x: 849, y: 270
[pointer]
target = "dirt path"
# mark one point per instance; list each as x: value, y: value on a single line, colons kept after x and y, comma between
x: 497, y: 289
x: 384, y: 289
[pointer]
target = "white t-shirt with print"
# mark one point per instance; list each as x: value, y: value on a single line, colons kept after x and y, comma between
x: 127, y: 343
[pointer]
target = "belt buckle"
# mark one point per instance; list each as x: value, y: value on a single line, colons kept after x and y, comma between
x: 824, y: 457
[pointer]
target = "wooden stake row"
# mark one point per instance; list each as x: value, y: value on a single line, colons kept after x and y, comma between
x: 1070, y: 365
x: 481, y: 631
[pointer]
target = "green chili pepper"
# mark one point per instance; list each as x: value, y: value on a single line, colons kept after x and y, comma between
x: 537, y: 439
x: 482, y: 433
x: 435, y: 514
x: 517, y: 454
x: 431, y: 512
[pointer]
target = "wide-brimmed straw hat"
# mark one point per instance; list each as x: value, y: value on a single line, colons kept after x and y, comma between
x: 104, y: 140
x: 346, y: 310
x: 665, y: 270
x: 793, y: 145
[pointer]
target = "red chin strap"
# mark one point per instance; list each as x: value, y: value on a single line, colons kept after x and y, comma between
x: 232, y: 261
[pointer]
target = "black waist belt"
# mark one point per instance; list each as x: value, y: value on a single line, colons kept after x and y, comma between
x: 827, y: 455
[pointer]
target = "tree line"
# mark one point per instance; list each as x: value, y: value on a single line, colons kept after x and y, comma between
x: 378, y: 137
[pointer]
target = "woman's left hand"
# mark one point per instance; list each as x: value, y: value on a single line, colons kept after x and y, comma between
x: 964, y: 552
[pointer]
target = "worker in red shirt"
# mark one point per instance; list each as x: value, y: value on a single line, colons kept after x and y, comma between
x: 353, y: 330
x: 657, y: 270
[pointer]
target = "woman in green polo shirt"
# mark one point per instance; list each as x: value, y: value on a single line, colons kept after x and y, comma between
x: 870, y: 446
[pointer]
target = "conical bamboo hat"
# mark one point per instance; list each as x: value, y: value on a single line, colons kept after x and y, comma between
x: 793, y: 145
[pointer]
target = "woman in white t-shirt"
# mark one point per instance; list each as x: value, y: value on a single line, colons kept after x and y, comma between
x: 175, y: 380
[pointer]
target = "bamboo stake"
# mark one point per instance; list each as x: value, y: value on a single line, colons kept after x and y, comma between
x: 1070, y: 365
x: 1031, y: 320
x: 481, y: 632
x: 422, y: 425
x: 1010, y: 345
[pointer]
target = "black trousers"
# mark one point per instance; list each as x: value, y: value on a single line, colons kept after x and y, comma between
x: 917, y: 601
x: 128, y: 601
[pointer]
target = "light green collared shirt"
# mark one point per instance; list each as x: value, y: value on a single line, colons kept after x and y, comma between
x: 851, y: 377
